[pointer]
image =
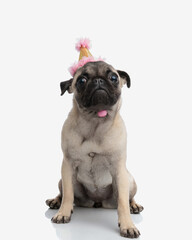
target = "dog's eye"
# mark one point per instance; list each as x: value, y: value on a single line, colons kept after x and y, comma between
x: 114, y: 78
x: 82, y: 80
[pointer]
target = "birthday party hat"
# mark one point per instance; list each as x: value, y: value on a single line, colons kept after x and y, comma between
x: 83, y: 46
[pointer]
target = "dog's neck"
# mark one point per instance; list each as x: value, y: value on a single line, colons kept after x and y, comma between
x: 89, y: 124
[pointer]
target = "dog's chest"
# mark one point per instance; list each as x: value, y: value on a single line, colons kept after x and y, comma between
x: 93, y: 172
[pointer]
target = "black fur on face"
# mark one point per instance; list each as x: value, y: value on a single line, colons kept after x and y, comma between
x: 97, y: 86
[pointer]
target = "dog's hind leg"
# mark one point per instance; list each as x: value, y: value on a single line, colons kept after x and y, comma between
x: 134, y: 207
x: 55, y: 203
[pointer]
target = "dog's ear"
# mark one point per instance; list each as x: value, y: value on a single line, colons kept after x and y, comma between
x: 66, y: 86
x: 125, y: 76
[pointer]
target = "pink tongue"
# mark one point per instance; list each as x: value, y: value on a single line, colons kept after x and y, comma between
x: 102, y: 113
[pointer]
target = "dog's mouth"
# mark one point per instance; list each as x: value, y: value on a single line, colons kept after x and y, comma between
x: 100, y: 99
x: 101, y: 96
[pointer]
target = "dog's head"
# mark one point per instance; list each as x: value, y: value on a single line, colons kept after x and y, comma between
x: 96, y: 86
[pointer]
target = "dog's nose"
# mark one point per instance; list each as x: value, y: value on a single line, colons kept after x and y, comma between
x: 98, y: 81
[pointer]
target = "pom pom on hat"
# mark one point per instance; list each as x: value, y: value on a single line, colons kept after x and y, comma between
x: 83, y: 43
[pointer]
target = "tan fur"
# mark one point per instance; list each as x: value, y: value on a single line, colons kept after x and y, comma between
x: 95, y: 158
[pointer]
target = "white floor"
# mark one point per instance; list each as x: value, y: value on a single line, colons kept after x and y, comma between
x: 90, y: 224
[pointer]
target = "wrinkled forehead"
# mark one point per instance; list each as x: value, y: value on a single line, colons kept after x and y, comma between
x: 94, y: 69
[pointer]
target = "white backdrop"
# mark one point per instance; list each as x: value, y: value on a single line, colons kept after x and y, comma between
x: 151, y: 40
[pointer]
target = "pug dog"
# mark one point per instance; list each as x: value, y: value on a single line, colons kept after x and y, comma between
x: 94, y: 172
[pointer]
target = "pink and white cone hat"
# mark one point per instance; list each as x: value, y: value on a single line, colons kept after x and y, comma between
x: 83, y: 46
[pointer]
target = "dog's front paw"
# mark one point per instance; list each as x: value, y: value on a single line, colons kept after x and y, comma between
x: 131, y: 232
x: 60, y: 218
